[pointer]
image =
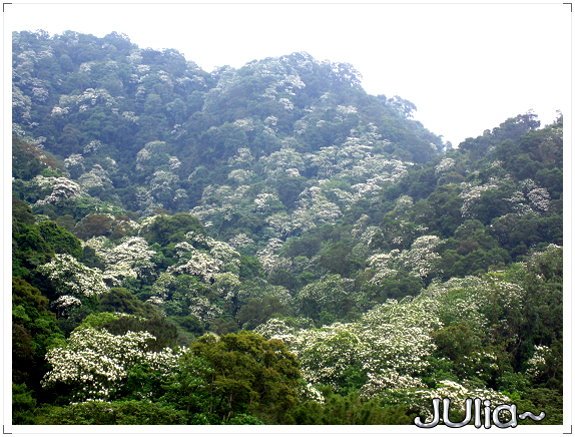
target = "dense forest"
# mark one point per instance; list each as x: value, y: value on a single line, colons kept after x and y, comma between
x: 269, y: 245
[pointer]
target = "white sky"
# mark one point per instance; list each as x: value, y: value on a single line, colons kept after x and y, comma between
x: 467, y: 67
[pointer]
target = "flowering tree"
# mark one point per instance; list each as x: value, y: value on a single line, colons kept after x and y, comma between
x: 70, y: 277
x: 95, y: 363
x: 391, y: 348
x: 420, y: 260
x: 183, y: 294
x: 96, y: 180
x: 131, y: 258
x: 60, y: 189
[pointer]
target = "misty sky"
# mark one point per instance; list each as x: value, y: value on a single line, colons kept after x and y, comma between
x: 467, y: 67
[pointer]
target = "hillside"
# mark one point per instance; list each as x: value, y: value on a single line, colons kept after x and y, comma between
x: 269, y: 244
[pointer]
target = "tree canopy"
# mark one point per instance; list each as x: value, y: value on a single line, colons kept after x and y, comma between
x: 269, y: 244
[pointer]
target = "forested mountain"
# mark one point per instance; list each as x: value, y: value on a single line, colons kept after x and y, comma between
x: 269, y: 244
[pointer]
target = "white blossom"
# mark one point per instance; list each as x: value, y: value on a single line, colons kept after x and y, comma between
x: 537, y: 363
x: 131, y: 258
x: 539, y: 198
x: 69, y: 276
x: 199, y: 264
x: 96, y: 363
x: 240, y: 176
x: 444, y: 165
x: 92, y: 147
x: 472, y: 193
x: 95, y: 178
x: 421, y: 259
x: 61, y: 189
x: 240, y: 240
x: 268, y: 256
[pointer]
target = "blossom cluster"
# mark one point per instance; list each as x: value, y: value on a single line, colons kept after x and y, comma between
x: 470, y: 194
x: 269, y: 255
x: 215, y: 256
x: 241, y: 176
x: 529, y: 198
x: 537, y: 363
x: 131, y: 258
x: 199, y: 264
x: 152, y: 154
x: 420, y: 259
x: 240, y: 240
x: 480, y: 363
x: 64, y: 303
x: 444, y: 165
x: 283, y: 163
x: 390, y: 344
x: 314, y: 209
x: 61, y: 189
x: 90, y: 97
x: 162, y: 186
x: 279, y: 329
x: 74, y: 162
x: 95, y: 362
x: 71, y: 277
x: 182, y: 295
x: 391, y: 380
x: 92, y: 147
x: 358, y: 164
x: 326, y: 353
x: 97, y: 178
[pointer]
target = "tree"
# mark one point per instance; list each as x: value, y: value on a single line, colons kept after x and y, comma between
x: 329, y: 299
x: 70, y: 277
x: 250, y: 375
x: 171, y: 229
x: 94, y: 363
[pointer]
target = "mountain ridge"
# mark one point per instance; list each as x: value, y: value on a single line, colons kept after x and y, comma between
x: 276, y: 209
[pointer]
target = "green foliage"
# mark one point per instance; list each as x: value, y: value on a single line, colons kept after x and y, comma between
x: 471, y: 250
x: 327, y: 300
x: 29, y: 160
x: 336, y: 258
x: 351, y: 409
x: 257, y: 310
x: 123, y: 301
x: 456, y: 341
x: 244, y: 419
x: 542, y: 399
x: 164, y: 331
x: 540, y: 322
x: 34, y: 244
x: 278, y: 197
x: 23, y: 404
x: 171, y: 229
x: 111, y: 413
x: 60, y: 239
x: 189, y: 390
x: 250, y: 267
x: 34, y: 331
x: 395, y: 286
x: 250, y: 375
x: 94, y: 225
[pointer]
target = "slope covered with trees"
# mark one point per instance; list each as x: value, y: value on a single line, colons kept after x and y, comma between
x: 269, y: 244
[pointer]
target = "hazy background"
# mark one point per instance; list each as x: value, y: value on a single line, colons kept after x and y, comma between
x: 467, y: 67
